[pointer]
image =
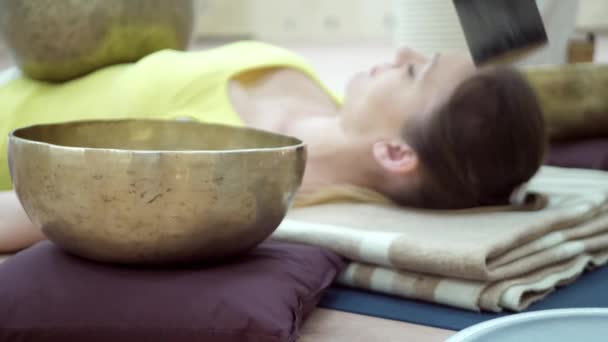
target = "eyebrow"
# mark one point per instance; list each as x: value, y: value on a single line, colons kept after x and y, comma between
x: 430, y: 65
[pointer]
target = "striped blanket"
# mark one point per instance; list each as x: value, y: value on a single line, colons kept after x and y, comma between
x: 483, y: 259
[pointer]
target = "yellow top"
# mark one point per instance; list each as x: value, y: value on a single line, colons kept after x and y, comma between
x: 164, y: 85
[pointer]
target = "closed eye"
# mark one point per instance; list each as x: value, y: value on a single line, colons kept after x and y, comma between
x: 411, y: 70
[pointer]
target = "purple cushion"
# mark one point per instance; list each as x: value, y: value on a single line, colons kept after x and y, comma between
x: 49, y: 295
x: 585, y: 154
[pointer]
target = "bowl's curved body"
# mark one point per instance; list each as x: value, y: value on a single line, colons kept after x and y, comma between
x: 154, y: 192
x: 571, y: 324
x: 58, y: 40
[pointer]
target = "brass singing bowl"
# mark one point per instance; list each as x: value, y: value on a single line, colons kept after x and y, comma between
x: 154, y: 191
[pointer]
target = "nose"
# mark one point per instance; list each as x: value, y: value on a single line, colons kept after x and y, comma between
x: 381, y: 68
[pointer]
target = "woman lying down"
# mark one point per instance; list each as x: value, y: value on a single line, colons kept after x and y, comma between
x: 430, y: 132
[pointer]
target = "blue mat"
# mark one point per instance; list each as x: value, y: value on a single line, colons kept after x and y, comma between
x: 588, y: 291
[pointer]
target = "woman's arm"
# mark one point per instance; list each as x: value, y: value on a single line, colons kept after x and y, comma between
x: 16, y: 230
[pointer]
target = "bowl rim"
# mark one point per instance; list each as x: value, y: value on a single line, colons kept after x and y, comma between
x: 298, y: 143
x: 489, y: 326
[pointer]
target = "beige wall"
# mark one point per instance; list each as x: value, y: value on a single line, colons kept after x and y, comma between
x: 365, y: 20
x: 297, y: 20
x: 322, y: 20
x: 222, y: 18
x: 592, y: 16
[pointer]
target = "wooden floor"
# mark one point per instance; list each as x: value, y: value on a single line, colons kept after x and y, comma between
x: 336, y: 326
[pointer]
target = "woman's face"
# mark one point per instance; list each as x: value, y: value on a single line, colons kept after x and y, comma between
x: 379, y: 101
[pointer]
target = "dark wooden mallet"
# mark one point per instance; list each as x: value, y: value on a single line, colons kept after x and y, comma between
x: 501, y: 31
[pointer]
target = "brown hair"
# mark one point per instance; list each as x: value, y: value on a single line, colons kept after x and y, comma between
x: 488, y: 138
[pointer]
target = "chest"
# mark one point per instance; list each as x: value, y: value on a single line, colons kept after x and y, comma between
x: 271, y: 98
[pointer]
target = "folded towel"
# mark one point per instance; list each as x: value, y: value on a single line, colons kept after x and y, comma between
x: 491, y: 258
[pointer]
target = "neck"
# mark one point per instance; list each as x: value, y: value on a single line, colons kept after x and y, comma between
x: 333, y: 158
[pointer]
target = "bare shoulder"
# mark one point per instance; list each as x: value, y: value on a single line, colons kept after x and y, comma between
x: 274, y: 98
x: 283, y: 82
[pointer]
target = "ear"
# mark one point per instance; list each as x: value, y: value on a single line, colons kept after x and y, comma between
x: 395, y: 156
